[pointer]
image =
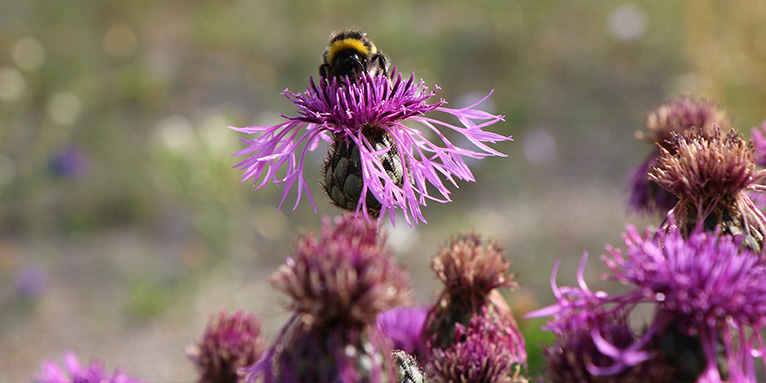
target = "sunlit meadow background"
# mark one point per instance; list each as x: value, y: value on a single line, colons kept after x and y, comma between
x: 123, y: 226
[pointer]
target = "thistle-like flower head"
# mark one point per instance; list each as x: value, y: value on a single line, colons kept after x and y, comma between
x: 703, y: 280
x: 710, y: 175
x: 346, y: 274
x: 73, y: 372
x: 705, y: 286
x: 467, y: 267
x: 709, y: 299
x: 395, y: 163
x: 472, y: 273
x: 231, y: 342
x: 483, y: 353
x: 676, y: 117
x: 702, y: 168
x: 338, y: 283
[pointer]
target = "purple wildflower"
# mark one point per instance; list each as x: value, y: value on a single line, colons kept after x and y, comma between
x: 472, y: 273
x: 710, y: 176
x: 338, y: 284
x: 396, y: 162
x: 229, y: 343
x: 483, y: 353
x: 73, y: 373
x: 706, y: 285
x: 677, y: 116
x: 403, y: 325
x: 69, y: 163
x: 708, y: 293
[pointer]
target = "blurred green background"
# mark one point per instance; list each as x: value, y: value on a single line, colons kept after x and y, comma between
x: 123, y: 226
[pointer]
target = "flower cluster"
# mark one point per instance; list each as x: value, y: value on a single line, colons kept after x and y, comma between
x: 391, y: 163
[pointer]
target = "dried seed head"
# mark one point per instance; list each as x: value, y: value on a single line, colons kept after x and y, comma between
x: 702, y: 168
x: 468, y: 268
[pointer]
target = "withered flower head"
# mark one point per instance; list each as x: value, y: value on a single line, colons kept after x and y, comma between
x: 472, y: 273
x: 229, y: 343
x: 339, y: 283
x: 676, y: 117
x: 467, y: 267
x: 709, y: 175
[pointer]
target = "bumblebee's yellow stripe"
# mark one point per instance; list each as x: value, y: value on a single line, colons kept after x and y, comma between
x: 344, y: 44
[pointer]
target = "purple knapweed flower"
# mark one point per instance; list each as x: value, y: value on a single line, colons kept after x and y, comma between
x: 338, y: 284
x: 229, y: 343
x: 710, y: 175
x: 472, y: 273
x: 706, y: 286
x: 72, y: 372
x: 404, y: 325
x: 390, y: 163
x: 483, y: 353
x: 709, y: 297
x: 677, y: 116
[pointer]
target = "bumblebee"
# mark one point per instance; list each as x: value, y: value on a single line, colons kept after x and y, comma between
x: 350, y: 53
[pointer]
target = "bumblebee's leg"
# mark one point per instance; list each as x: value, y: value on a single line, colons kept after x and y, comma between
x: 323, y: 71
x: 379, y: 59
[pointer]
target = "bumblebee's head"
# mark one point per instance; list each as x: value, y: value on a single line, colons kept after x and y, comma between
x: 350, y: 54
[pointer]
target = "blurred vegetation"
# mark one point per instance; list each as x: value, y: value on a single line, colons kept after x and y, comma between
x: 120, y: 215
